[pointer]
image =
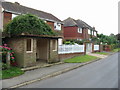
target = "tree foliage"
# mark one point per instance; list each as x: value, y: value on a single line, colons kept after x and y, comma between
x: 28, y: 24
x: 111, y: 39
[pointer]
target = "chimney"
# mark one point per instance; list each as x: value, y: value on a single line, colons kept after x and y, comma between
x: 94, y: 28
x: 17, y: 3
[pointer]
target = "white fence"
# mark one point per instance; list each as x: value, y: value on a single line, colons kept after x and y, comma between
x: 63, y: 49
x: 96, y: 47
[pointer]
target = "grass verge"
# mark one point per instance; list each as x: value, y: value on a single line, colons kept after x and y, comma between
x: 102, y: 53
x: 80, y: 59
x: 12, y: 72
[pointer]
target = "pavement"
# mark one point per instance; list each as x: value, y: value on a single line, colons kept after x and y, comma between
x: 32, y: 74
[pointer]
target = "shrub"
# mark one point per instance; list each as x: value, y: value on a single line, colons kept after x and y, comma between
x: 4, y: 49
x: 73, y: 41
x: 4, y: 66
x: 28, y: 24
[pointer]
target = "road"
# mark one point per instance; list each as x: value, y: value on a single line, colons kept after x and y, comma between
x: 100, y: 74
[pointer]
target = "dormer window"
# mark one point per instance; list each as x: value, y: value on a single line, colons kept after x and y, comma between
x: 79, y: 30
x: 57, y: 26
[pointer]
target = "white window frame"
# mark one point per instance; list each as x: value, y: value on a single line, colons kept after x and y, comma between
x: 57, y: 25
x: 13, y: 16
x: 31, y: 46
x: 79, y: 30
x: 89, y: 31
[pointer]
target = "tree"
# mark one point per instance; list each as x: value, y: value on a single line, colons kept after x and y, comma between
x: 111, y: 39
x: 28, y: 24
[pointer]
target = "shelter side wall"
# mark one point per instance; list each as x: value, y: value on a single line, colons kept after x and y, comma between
x: 17, y: 45
x: 53, y: 53
x: 30, y: 57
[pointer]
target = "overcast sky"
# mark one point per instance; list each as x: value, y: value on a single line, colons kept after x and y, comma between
x: 102, y: 14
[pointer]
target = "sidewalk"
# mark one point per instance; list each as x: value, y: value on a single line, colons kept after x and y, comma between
x: 40, y: 74
x: 34, y: 74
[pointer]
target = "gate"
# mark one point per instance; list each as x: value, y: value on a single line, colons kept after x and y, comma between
x: 88, y: 47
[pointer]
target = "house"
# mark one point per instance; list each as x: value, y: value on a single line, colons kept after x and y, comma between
x: 31, y: 49
x: 79, y: 30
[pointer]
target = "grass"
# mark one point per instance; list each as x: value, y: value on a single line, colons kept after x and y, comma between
x: 116, y: 50
x: 80, y: 59
x: 12, y: 72
x: 102, y: 53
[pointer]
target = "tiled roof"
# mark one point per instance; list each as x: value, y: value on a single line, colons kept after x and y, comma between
x: 72, y: 22
x: 69, y: 22
x: 19, y: 9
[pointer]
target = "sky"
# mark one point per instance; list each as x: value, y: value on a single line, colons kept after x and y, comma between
x: 101, y: 14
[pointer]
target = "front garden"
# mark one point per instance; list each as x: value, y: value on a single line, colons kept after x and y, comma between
x: 80, y: 59
x: 8, y: 63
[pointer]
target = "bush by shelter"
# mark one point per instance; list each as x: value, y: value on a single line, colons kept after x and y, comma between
x: 28, y: 24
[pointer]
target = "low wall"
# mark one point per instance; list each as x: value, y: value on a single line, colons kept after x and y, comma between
x: 96, y: 51
x: 69, y: 55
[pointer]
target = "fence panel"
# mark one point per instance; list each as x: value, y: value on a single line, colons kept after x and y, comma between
x: 63, y: 49
x: 96, y: 47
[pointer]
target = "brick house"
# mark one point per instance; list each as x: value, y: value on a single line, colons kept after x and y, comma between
x: 77, y: 29
x: 31, y: 49
x: 80, y: 30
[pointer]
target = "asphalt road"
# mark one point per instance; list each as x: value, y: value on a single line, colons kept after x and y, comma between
x: 100, y: 74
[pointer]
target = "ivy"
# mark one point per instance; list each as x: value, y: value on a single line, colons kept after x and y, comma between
x: 28, y: 24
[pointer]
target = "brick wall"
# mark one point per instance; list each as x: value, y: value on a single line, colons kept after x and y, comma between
x: 72, y: 33
x: 51, y: 24
x: 7, y: 17
x: 85, y: 33
x: 70, y: 55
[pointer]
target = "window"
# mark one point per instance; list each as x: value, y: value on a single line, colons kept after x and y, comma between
x: 54, y: 45
x: 14, y: 15
x: 57, y: 26
x: 79, y: 30
x: 89, y: 31
x: 29, y: 45
x: 95, y: 33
